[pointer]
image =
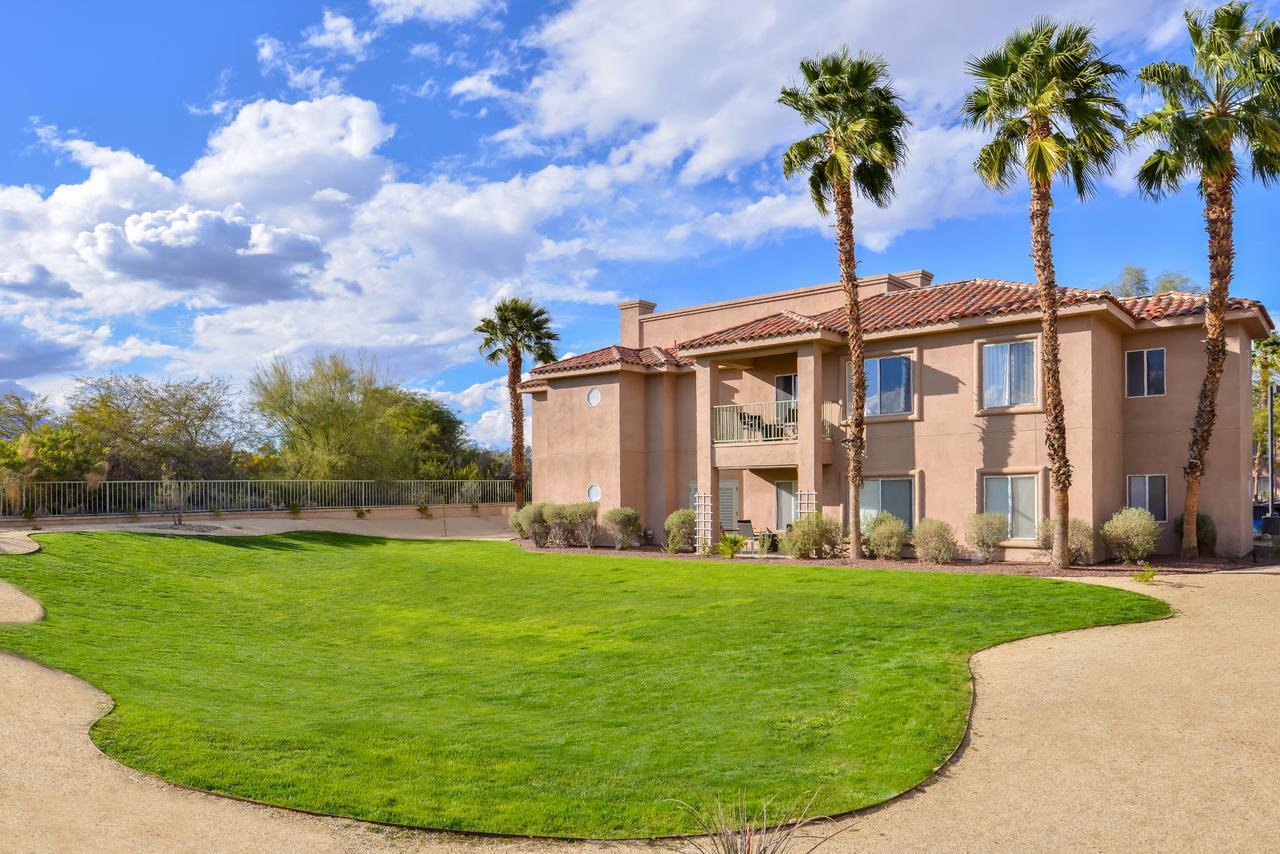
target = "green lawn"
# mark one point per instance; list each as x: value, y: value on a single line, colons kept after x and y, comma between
x: 475, y: 686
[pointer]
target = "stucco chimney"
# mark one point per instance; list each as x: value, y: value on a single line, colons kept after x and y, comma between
x: 915, y: 278
x: 631, y: 311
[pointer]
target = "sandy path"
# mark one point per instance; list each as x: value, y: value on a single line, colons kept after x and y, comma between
x: 1157, y: 735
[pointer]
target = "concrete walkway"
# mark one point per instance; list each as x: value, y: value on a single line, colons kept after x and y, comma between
x: 1161, y: 735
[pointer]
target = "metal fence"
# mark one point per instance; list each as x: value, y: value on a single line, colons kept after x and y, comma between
x: 77, y: 498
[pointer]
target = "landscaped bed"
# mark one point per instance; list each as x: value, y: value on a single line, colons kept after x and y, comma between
x: 476, y: 686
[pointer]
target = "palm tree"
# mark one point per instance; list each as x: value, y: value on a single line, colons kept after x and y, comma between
x: 1227, y: 101
x: 859, y: 147
x: 517, y: 326
x: 1049, y: 97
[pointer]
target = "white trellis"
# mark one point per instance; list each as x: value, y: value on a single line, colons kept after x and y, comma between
x: 703, y: 520
x: 806, y: 502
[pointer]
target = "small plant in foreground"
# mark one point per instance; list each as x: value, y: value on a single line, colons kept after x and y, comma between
x: 731, y: 544
x: 934, y: 541
x: 887, y: 535
x: 623, y: 524
x: 984, y: 534
x: 424, y: 510
x: 215, y: 512
x: 1145, y: 573
x: 475, y: 508
x: 295, y: 510
x: 1079, y: 538
x: 361, y: 512
x: 1131, y: 533
x: 680, y: 528
x: 739, y: 829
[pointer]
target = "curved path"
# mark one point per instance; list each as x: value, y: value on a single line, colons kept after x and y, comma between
x: 1153, y: 735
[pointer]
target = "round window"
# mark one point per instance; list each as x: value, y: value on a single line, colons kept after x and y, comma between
x: 593, y: 397
x: 593, y: 492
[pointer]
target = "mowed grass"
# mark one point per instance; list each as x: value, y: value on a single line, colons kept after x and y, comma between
x: 475, y: 686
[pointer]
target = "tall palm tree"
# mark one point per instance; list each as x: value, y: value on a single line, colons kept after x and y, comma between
x: 1226, y: 102
x: 517, y: 326
x: 1049, y: 97
x: 859, y: 147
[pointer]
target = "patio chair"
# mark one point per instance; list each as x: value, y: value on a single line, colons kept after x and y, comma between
x: 753, y: 541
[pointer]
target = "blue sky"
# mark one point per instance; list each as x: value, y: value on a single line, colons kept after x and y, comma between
x: 195, y: 188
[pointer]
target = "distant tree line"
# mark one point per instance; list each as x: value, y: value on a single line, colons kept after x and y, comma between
x: 1134, y: 282
x: 329, y: 418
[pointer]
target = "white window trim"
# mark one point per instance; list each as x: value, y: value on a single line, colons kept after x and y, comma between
x: 1147, y: 487
x: 1035, y: 516
x: 911, y: 523
x: 983, y: 406
x: 795, y: 384
x: 596, y: 391
x: 1144, y: 372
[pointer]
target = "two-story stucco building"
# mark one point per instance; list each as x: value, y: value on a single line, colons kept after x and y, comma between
x: 739, y: 402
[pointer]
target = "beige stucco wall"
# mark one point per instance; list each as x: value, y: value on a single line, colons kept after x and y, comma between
x: 641, y: 443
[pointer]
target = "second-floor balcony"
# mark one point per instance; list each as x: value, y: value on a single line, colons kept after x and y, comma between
x: 767, y: 421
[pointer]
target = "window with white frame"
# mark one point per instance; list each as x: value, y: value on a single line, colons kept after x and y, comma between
x: 888, y: 385
x: 1008, y: 374
x: 893, y: 494
x: 1150, y: 492
x: 1144, y: 373
x: 1015, y: 498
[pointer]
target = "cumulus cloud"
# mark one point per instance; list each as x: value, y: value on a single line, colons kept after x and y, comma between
x: 26, y: 354
x: 218, y: 252
x: 338, y: 34
x: 36, y: 283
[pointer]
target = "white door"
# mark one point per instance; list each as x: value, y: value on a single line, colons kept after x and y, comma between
x: 729, y: 505
x: 786, y: 498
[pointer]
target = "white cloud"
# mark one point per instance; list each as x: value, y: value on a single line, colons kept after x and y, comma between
x: 312, y: 80
x: 399, y: 11
x: 220, y: 253
x: 479, y: 85
x: 338, y: 34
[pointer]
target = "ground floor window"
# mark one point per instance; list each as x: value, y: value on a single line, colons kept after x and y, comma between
x: 895, y: 495
x: 786, y: 501
x: 1014, y: 497
x: 1150, y: 492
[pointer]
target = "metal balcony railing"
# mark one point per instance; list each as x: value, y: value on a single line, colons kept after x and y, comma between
x: 769, y: 421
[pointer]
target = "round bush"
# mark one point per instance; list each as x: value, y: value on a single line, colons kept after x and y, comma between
x: 680, y: 528
x: 984, y: 534
x: 623, y: 524
x: 934, y: 541
x: 533, y: 521
x: 887, y: 535
x: 1079, y: 538
x: 813, y: 536
x: 1206, y: 534
x: 1131, y: 533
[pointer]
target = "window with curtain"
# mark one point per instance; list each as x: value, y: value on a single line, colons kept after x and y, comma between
x: 1144, y: 373
x: 1150, y: 492
x: 1008, y: 374
x: 892, y: 494
x: 888, y: 385
x: 1014, y: 497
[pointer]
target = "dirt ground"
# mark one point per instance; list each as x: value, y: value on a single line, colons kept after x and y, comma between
x: 1159, y: 735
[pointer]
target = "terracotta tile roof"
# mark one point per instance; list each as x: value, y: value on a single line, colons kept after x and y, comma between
x: 652, y: 357
x: 904, y: 309
x: 1178, y: 304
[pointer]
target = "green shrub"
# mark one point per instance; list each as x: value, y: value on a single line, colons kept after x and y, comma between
x: 559, y: 525
x: 533, y: 521
x: 579, y: 523
x: 985, y: 532
x: 813, y: 536
x: 934, y: 541
x: 887, y: 535
x: 680, y: 528
x: 1145, y: 574
x: 424, y: 510
x: 1079, y: 539
x: 1131, y: 533
x: 623, y: 524
x: 1206, y: 534
x: 295, y: 510
x: 730, y: 544
x: 514, y: 521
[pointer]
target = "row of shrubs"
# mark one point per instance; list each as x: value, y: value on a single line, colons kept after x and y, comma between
x: 1131, y: 533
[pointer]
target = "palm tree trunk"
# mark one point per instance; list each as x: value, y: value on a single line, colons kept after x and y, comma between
x: 1055, y: 428
x: 515, y: 367
x: 856, y: 442
x: 1219, y: 209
